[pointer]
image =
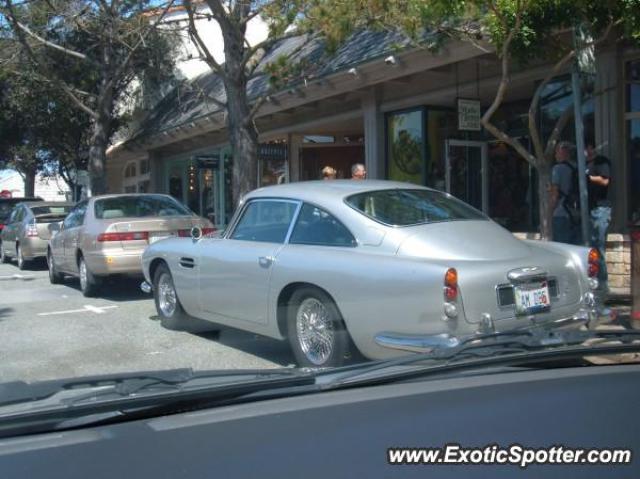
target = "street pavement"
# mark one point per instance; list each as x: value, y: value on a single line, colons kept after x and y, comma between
x: 51, y: 332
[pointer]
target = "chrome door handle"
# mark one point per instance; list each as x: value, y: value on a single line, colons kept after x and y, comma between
x: 265, y: 261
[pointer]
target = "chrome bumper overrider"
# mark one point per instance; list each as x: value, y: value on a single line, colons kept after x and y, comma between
x: 426, y: 343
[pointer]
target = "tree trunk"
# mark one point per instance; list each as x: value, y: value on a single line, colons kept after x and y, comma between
x: 30, y: 183
x: 244, y: 141
x: 544, y: 183
x: 98, y: 155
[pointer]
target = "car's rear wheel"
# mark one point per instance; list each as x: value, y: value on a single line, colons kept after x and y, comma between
x: 3, y: 256
x: 22, y: 261
x: 168, y: 306
x: 54, y: 276
x: 88, y: 282
x: 315, y: 329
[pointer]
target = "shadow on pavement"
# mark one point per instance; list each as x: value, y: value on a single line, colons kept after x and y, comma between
x: 116, y: 289
x: 5, y: 312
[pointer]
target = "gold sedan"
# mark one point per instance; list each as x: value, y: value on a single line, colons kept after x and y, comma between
x: 106, y: 235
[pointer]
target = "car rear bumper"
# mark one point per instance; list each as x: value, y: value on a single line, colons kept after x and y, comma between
x: 426, y: 343
x: 102, y: 264
x: 34, y: 247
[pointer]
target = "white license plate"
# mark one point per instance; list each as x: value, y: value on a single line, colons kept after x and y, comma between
x: 531, y: 300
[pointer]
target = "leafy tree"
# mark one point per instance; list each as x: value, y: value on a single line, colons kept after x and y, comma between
x: 518, y: 31
x: 93, y: 52
x: 242, y: 64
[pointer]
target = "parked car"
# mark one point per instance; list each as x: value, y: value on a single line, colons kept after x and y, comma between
x: 7, y: 205
x: 388, y: 267
x: 106, y: 235
x: 27, y: 231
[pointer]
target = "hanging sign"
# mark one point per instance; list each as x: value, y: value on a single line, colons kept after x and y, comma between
x: 469, y: 115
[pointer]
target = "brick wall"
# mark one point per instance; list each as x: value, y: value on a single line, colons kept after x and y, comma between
x: 619, y: 262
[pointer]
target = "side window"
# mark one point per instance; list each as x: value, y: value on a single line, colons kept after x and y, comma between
x: 317, y: 227
x: 265, y: 220
x: 76, y: 216
x: 13, y: 217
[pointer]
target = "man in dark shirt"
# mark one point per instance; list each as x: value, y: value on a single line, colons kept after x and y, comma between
x: 598, y: 181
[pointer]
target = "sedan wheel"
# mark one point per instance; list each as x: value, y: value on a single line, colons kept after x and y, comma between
x: 316, y: 331
x: 166, y: 299
x: 54, y: 276
x: 88, y: 282
x: 3, y: 256
x: 22, y: 262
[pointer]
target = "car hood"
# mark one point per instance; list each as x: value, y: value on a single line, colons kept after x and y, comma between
x: 463, y: 241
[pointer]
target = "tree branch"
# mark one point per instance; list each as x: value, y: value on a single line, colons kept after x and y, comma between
x: 199, y: 43
x: 49, y: 44
x: 502, y: 89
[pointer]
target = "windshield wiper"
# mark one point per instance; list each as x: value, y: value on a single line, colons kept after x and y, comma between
x: 107, y: 399
x: 507, y: 347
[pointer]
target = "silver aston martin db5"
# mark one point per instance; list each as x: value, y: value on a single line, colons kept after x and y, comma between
x: 380, y: 266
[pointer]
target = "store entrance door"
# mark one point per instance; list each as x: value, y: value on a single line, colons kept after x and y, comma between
x: 208, y: 198
x: 466, y: 172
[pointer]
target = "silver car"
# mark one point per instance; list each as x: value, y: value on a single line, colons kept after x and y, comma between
x: 380, y: 266
x: 106, y: 235
x: 28, y: 229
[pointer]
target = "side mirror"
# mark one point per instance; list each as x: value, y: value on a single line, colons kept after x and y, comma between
x: 196, y: 233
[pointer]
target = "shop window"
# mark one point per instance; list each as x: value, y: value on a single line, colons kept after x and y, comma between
x: 406, y: 146
x: 632, y: 118
x: 137, y: 177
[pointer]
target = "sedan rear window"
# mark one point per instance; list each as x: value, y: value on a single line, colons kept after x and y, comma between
x: 51, y: 210
x: 412, y: 207
x: 138, y: 207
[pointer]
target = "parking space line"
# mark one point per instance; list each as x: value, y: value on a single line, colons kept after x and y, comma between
x: 16, y: 276
x: 87, y: 307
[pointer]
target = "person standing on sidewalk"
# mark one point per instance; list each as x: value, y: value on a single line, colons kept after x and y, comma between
x: 598, y: 181
x: 562, y: 179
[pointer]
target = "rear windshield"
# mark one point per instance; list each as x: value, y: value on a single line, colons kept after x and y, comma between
x: 138, y: 207
x: 50, y: 210
x: 412, y: 207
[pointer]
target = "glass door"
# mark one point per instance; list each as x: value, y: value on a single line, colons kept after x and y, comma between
x: 210, y: 190
x: 466, y: 168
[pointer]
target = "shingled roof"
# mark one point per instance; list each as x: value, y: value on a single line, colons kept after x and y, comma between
x: 192, y: 100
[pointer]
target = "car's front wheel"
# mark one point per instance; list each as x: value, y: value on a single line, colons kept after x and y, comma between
x: 54, y: 276
x: 168, y: 306
x: 315, y: 329
x: 88, y: 282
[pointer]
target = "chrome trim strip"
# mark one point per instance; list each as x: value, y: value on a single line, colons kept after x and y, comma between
x: 526, y: 273
x: 416, y: 344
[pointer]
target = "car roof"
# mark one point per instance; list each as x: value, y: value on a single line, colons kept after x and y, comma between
x: 120, y: 195
x: 26, y: 199
x: 329, y: 189
x: 49, y: 203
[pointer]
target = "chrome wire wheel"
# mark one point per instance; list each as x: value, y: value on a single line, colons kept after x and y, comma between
x: 315, y: 331
x: 166, y: 295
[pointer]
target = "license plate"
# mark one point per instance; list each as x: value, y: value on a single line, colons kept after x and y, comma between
x: 532, y: 299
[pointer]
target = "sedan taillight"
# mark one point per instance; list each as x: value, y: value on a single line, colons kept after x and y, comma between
x: 594, y: 262
x: 31, y: 231
x: 451, y: 284
x: 128, y: 236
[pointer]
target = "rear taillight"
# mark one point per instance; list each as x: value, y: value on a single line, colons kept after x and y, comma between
x: 594, y: 262
x: 207, y: 231
x: 32, y: 230
x: 1, y: 226
x: 128, y: 236
x: 451, y: 284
